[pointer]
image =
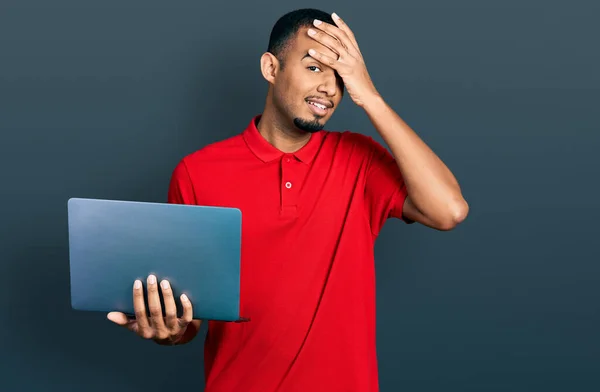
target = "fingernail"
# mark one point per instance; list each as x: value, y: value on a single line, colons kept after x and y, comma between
x: 317, y: 22
x: 335, y: 16
x: 311, y: 52
x: 311, y: 32
x: 184, y: 298
x: 165, y: 284
x: 137, y: 284
x: 151, y: 279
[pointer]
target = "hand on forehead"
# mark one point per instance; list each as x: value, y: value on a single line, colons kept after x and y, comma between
x: 305, y: 43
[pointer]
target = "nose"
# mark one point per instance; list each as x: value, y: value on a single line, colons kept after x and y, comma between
x: 328, y: 85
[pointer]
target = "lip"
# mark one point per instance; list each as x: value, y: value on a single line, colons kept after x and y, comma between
x: 323, y: 102
x: 317, y: 111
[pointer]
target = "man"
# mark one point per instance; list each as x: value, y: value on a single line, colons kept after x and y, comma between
x: 313, y: 203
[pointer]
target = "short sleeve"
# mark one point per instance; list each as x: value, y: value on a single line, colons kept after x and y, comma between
x: 385, y: 190
x: 181, y: 190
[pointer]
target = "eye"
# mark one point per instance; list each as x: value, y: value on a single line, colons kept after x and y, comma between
x: 313, y: 68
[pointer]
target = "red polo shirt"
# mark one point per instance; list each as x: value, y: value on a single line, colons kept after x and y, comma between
x: 309, y: 222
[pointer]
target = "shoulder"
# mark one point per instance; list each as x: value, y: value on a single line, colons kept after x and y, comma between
x: 354, y: 142
x: 214, y: 152
x: 204, y: 163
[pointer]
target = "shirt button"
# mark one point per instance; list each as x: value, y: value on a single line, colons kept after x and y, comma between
x: 288, y: 185
x: 287, y: 160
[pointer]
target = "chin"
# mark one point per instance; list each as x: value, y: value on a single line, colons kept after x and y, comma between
x: 310, y: 125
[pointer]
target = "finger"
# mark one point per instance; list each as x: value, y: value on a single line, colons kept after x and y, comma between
x: 118, y: 318
x: 188, y: 313
x: 327, y: 60
x: 344, y: 27
x: 328, y: 41
x: 154, y: 305
x: 338, y: 34
x: 170, y: 307
x: 139, y: 308
x: 123, y: 320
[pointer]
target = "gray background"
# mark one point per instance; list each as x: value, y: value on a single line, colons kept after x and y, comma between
x: 101, y: 99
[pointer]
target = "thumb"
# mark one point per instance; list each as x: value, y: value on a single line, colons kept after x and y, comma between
x: 118, y: 318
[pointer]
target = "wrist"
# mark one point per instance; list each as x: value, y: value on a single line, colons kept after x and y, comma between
x: 373, y: 103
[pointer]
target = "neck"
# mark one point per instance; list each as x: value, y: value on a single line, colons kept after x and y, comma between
x: 282, y: 136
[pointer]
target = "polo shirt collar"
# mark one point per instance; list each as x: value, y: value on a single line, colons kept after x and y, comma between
x: 266, y: 152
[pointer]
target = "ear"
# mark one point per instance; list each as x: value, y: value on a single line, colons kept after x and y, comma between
x: 269, y: 66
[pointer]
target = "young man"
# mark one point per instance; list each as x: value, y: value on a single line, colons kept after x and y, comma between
x: 313, y: 203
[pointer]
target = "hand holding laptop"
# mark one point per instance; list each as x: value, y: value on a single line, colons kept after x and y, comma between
x: 168, y: 329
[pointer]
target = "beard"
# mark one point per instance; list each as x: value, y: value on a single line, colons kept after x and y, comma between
x: 307, y: 124
x: 310, y: 126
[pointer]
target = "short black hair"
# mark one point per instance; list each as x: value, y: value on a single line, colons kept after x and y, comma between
x: 287, y: 26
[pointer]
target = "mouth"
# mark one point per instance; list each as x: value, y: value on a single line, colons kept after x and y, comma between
x: 319, y: 106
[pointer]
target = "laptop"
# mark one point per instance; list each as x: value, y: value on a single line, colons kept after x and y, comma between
x: 196, y: 248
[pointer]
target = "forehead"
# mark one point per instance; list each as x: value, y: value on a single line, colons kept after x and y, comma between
x: 303, y: 42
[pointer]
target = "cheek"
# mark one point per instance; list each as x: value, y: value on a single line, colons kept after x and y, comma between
x: 296, y: 89
x: 294, y: 85
x: 288, y: 94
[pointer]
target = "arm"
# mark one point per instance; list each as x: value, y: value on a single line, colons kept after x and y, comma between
x: 434, y: 196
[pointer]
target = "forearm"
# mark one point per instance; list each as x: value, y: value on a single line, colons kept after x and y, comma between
x: 431, y: 186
